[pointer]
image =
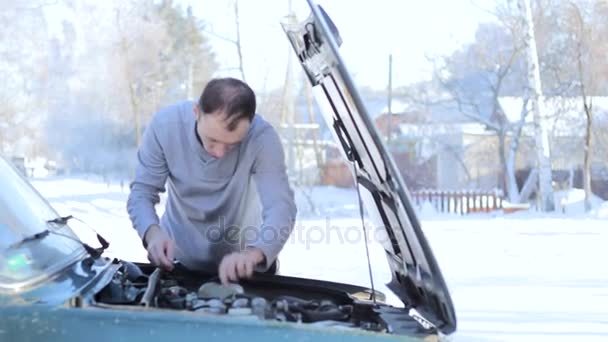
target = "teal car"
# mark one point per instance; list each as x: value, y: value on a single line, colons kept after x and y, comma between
x: 54, y: 287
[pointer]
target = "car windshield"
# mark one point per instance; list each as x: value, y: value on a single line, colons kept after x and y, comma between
x: 23, y: 212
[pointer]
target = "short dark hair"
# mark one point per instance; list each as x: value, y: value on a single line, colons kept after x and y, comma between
x: 232, y: 96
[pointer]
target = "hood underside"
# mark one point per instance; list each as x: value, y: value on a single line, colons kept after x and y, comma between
x: 416, y: 277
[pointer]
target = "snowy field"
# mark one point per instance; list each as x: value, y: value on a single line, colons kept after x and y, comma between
x: 520, y: 277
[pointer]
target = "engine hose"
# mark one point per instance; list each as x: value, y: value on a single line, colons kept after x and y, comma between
x: 148, y: 296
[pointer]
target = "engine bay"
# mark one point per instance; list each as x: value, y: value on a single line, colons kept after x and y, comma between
x: 264, y: 297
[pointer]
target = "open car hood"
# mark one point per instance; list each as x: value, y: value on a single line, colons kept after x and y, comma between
x: 416, y: 277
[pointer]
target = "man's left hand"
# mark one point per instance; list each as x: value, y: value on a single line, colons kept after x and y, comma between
x: 239, y: 265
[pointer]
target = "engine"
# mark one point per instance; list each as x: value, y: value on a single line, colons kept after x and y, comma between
x: 265, y: 298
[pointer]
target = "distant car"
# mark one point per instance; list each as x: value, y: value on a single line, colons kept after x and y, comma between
x: 53, y: 287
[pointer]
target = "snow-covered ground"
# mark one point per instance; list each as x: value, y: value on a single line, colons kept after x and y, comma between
x: 520, y: 277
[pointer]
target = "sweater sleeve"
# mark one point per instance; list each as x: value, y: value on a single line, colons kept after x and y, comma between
x: 276, y: 197
x: 150, y: 176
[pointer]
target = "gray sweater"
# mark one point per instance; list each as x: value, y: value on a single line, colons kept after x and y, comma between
x: 214, y: 206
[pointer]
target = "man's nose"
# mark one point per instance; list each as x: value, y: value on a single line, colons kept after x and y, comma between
x: 220, y: 151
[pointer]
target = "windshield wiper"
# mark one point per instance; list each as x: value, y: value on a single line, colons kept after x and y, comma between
x: 62, y: 221
x: 29, y: 238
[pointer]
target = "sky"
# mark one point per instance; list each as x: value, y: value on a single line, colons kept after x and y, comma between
x: 371, y: 30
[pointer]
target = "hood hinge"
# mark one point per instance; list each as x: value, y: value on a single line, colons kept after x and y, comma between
x: 426, y: 324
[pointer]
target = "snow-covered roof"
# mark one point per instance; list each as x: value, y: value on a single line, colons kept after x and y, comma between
x: 565, y: 115
x: 397, y: 107
x: 553, y: 106
x: 439, y: 129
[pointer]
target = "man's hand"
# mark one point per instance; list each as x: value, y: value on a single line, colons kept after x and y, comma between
x: 160, y: 247
x: 240, y: 265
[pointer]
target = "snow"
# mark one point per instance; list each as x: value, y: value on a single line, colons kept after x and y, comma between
x: 518, y: 277
x: 572, y: 202
x: 601, y: 211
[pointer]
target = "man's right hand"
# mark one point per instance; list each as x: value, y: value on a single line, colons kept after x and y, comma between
x: 160, y: 247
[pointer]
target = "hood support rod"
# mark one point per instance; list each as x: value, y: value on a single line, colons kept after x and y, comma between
x: 369, y: 264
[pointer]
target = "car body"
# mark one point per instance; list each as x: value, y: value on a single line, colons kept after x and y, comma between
x: 53, y: 287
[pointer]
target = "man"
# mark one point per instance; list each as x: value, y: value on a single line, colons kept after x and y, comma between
x: 230, y: 207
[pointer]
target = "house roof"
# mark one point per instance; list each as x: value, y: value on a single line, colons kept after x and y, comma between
x: 565, y: 115
x: 441, y: 129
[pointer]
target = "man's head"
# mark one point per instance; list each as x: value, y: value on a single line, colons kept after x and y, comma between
x: 224, y: 113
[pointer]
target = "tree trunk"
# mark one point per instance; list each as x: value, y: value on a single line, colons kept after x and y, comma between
x: 511, y: 194
x: 529, y: 185
x: 588, y: 108
x: 547, y: 201
x: 130, y: 84
x: 510, y: 180
x: 587, y: 166
x: 190, y: 86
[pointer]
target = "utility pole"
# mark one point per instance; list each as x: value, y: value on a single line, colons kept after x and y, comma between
x: 239, y: 50
x: 543, y: 153
x: 311, y: 116
x: 288, y: 113
x: 390, y: 100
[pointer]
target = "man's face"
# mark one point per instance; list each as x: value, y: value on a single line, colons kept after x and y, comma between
x: 217, y: 139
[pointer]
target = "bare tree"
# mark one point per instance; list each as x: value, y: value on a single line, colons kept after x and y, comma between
x: 187, y: 61
x: 141, y: 40
x: 476, y: 77
x: 164, y: 54
x: 133, y: 57
x: 589, y: 54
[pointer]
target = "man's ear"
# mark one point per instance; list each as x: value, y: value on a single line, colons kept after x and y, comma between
x: 195, y: 111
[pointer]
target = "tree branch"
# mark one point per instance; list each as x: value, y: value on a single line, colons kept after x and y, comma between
x: 211, y: 33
